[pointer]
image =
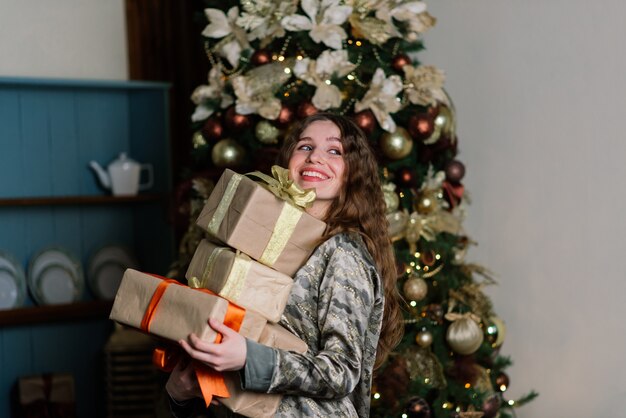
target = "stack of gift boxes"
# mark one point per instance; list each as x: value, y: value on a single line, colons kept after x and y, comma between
x: 242, y: 277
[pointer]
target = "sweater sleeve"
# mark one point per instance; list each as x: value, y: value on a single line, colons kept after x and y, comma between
x: 344, y: 302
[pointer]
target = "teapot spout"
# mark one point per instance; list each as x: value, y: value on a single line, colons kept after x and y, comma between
x: 103, y: 176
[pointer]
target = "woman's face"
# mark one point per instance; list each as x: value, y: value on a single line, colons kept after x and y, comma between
x: 317, y: 162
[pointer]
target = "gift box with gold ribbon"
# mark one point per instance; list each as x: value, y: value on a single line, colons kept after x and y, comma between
x: 236, y: 277
x: 264, y: 219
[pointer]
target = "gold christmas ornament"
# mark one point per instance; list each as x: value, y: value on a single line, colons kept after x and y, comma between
x: 396, y: 145
x: 266, y: 133
x: 428, y: 202
x: 197, y: 140
x: 227, y: 153
x: 422, y: 364
x: 464, y: 335
x: 424, y: 338
x: 445, y: 122
x: 415, y: 288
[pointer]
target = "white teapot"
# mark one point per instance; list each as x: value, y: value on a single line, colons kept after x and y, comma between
x: 122, y: 175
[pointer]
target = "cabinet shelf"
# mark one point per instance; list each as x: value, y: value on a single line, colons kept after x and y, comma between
x: 78, y: 200
x: 55, y: 313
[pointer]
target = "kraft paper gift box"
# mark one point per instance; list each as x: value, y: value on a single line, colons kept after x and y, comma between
x: 179, y: 312
x: 47, y: 395
x: 246, y: 215
x: 236, y: 277
x: 260, y: 405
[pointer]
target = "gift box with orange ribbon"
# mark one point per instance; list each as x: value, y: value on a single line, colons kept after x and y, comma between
x: 263, y: 217
x: 236, y: 277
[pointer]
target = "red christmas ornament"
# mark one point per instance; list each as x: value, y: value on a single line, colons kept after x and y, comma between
x: 421, y: 126
x: 399, y: 61
x: 455, y: 170
x: 260, y: 57
x: 306, y: 109
x: 212, y: 129
x: 406, y: 177
x: 286, y: 115
x: 365, y: 120
x: 236, y: 121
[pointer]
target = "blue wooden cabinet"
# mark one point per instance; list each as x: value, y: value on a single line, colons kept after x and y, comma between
x: 49, y: 131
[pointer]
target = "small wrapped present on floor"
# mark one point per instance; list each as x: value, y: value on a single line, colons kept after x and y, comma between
x: 261, y: 405
x: 265, y: 220
x: 236, y: 277
x: 171, y: 310
x: 47, y: 395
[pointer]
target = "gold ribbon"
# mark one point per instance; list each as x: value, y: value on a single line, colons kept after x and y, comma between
x: 236, y: 277
x: 453, y: 316
x: 284, y: 188
x: 285, y: 225
x: 222, y: 207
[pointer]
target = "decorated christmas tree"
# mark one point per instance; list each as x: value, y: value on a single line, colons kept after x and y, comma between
x: 275, y: 61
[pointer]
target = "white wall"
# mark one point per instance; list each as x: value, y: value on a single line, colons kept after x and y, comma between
x: 540, y: 92
x: 63, y: 39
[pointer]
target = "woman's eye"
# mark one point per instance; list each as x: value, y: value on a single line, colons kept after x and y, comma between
x: 335, y: 152
x: 305, y: 147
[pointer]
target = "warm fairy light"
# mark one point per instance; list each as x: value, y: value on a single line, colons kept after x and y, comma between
x: 350, y: 41
x: 377, y: 396
x: 413, y: 303
x: 458, y: 409
x: 299, y: 57
x: 327, y: 82
x: 358, y: 43
x: 446, y: 405
x: 418, y: 267
x: 274, y: 57
x: 287, y: 70
x: 408, y: 271
x: 417, y: 255
x: 350, y: 77
x: 427, y: 380
x: 286, y: 94
x: 401, y: 194
x: 502, y: 388
x: 281, y: 58
x: 467, y: 386
x: 511, y: 402
x: 425, y: 268
x: 438, y: 256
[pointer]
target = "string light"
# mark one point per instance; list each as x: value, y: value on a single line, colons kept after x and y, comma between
x: 377, y: 396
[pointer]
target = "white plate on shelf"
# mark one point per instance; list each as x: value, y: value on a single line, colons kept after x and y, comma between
x: 106, y: 269
x: 55, y: 276
x: 12, y: 282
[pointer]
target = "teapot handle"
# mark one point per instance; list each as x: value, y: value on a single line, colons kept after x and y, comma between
x: 148, y: 184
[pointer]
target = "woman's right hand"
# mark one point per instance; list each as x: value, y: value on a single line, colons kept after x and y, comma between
x: 183, y: 384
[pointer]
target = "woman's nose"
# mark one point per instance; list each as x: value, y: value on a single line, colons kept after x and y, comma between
x: 316, y: 156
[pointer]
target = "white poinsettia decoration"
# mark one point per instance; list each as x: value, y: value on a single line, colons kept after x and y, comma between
x: 318, y: 73
x: 381, y: 99
x: 256, y: 89
x: 424, y: 85
x: 262, y: 18
x: 224, y: 26
x: 323, y: 20
x: 208, y: 92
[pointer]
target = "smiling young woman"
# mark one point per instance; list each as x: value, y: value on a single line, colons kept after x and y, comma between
x: 344, y: 301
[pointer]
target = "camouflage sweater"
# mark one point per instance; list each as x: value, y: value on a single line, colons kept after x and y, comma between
x: 336, y: 307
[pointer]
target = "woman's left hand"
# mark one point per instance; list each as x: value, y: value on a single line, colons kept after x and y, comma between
x: 230, y: 354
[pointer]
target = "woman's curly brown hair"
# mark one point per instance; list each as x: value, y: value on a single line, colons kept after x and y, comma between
x: 360, y: 207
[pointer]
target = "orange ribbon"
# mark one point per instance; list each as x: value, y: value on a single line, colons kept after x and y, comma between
x: 211, y: 382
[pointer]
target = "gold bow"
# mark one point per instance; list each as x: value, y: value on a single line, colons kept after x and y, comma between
x: 285, y: 188
x: 453, y: 316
